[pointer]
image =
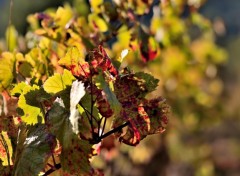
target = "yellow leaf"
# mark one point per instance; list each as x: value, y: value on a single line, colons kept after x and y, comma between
x: 64, y: 15
x: 95, y: 4
x: 97, y: 23
x: 7, y: 61
x: 11, y: 37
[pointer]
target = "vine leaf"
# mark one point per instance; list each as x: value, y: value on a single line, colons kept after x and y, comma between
x: 63, y: 16
x: 99, y: 59
x: 85, y: 110
x: 149, y: 82
x: 111, y: 97
x: 131, y: 90
x: 36, y: 149
x: 18, y: 89
x: 7, y: 61
x: 29, y: 105
x: 76, y: 94
x: 74, y: 61
x: 58, y: 83
x: 97, y: 23
x: 5, y: 141
x: 11, y: 37
x: 76, y: 152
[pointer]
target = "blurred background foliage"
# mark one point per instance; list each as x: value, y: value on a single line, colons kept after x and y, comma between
x: 192, y: 46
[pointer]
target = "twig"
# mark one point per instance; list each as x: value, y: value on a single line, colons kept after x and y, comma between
x: 104, y: 124
x: 56, y: 167
x: 113, y: 131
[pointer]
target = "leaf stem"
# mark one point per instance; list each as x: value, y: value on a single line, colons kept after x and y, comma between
x: 87, y: 112
x: 91, y: 114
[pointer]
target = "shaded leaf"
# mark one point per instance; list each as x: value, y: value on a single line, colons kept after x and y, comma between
x: 111, y: 97
x: 26, y: 69
x: 37, y: 148
x: 149, y: 49
x: 4, y: 170
x: 75, y: 153
x: 84, y: 125
x: 150, y: 83
x: 131, y: 90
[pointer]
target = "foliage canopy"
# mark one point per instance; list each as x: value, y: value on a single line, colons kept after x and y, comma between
x: 74, y: 79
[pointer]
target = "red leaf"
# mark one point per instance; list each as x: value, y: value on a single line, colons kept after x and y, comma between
x: 100, y: 59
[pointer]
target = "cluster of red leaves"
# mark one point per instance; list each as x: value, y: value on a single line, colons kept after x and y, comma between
x: 145, y: 116
x: 99, y: 59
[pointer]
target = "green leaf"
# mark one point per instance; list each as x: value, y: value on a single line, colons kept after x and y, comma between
x: 18, y: 89
x: 36, y: 150
x: 84, y: 125
x: 11, y: 37
x: 58, y: 83
x: 149, y: 81
x: 37, y: 59
x: 111, y: 97
x: 26, y: 69
x: 30, y: 104
x: 75, y: 153
x: 7, y: 62
x: 138, y: 85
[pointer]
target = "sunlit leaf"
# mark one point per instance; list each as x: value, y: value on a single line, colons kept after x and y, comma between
x: 7, y: 60
x: 124, y: 53
x: 30, y: 105
x: 74, y: 61
x: 97, y: 23
x: 95, y: 4
x: 76, y: 94
x: 18, y: 89
x: 5, y: 143
x: 63, y: 16
x: 11, y: 37
x: 58, y: 82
